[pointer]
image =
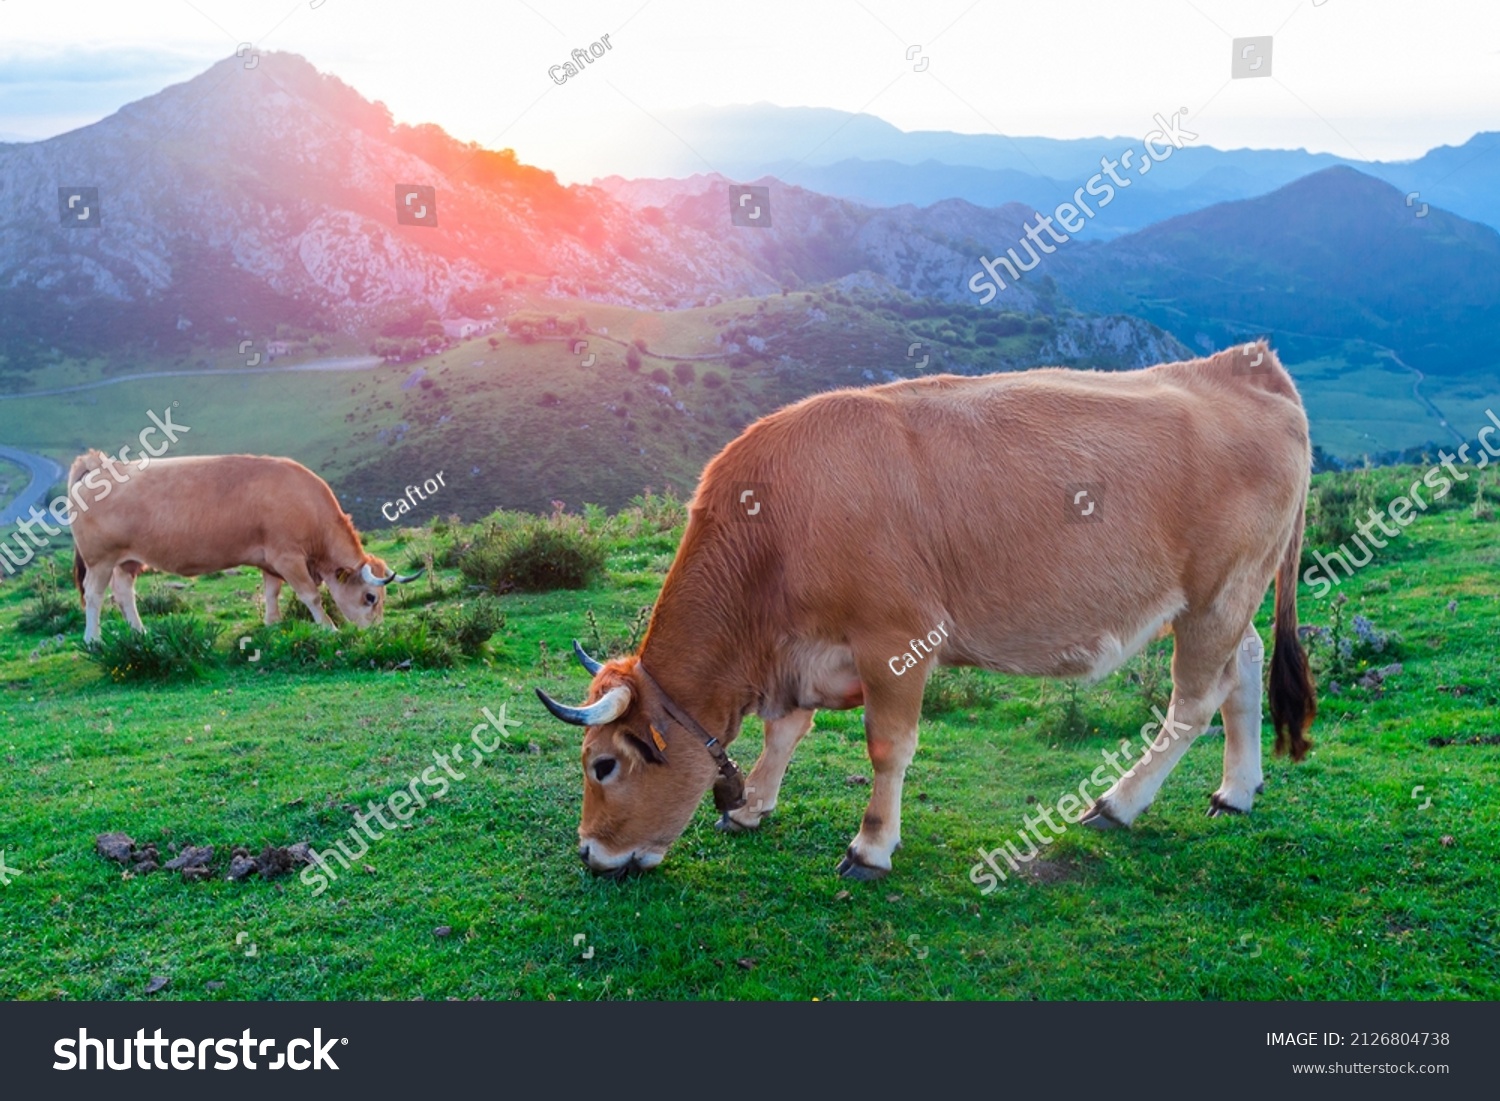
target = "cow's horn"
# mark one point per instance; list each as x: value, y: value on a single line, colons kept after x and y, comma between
x: 606, y: 709
x: 584, y: 660
x: 370, y: 578
x: 404, y: 578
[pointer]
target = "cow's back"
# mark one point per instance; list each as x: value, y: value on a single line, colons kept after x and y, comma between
x: 957, y: 495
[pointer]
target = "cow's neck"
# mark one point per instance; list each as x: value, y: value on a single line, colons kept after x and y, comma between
x: 699, y: 649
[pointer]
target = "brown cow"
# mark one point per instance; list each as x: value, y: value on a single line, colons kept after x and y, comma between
x: 1047, y: 523
x: 195, y: 515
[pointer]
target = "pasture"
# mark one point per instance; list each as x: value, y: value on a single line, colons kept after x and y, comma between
x: 1347, y: 882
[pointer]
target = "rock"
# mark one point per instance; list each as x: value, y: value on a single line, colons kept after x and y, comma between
x: 241, y: 868
x: 443, y: 931
x: 856, y: 780
x: 114, y: 846
x: 157, y: 983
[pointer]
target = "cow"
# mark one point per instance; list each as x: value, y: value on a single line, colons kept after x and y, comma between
x: 198, y: 514
x: 1046, y: 523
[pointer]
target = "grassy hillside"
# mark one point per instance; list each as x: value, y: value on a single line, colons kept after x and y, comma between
x: 1344, y: 884
x: 520, y: 424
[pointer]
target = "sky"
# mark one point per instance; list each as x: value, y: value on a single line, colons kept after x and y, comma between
x: 1369, y: 80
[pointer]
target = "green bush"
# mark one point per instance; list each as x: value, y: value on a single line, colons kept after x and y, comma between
x: 949, y: 690
x: 54, y: 608
x: 177, y: 647
x: 468, y: 626
x: 51, y: 612
x: 161, y: 602
x: 540, y: 557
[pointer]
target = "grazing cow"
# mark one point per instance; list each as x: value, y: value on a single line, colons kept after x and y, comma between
x: 195, y: 515
x: 1047, y: 523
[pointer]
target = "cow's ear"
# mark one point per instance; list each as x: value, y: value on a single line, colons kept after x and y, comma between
x: 342, y: 574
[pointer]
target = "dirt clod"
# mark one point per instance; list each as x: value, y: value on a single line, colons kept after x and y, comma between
x: 114, y: 846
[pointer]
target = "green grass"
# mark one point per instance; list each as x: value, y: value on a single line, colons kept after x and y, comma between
x: 1338, y: 887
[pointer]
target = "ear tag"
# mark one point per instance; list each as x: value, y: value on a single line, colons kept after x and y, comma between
x: 661, y: 743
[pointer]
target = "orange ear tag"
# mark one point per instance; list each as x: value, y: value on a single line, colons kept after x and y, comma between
x: 661, y: 743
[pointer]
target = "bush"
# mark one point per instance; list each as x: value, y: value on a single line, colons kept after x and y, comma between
x: 469, y: 626
x: 633, y: 359
x: 178, y: 647
x: 685, y: 372
x: 660, y: 376
x: 950, y: 690
x: 161, y: 602
x: 539, y: 557
x: 53, y: 609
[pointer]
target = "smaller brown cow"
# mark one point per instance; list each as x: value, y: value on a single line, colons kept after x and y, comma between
x: 195, y: 515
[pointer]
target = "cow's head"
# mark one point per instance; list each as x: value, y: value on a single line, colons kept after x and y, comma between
x: 643, y: 774
x: 359, y: 591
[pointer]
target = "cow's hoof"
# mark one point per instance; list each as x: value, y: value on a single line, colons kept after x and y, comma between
x: 1218, y: 806
x: 726, y: 824
x: 1098, y: 818
x: 852, y: 867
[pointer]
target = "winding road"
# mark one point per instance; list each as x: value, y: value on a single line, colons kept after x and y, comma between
x: 45, y: 473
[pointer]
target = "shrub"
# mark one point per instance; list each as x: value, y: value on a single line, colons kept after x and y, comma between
x: 712, y: 381
x: 951, y: 690
x: 156, y: 602
x: 468, y: 626
x: 633, y: 359
x: 177, y: 647
x: 53, y: 610
x: 540, y: 557
x: 685, y: 372
x: 660, y: 375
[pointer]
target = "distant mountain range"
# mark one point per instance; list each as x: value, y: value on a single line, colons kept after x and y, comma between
x: 866, y: 159
x: 245, y: 200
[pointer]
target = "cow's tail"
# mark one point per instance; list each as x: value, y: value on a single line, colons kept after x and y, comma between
x: 88, y: 461
x: 1294, y: 700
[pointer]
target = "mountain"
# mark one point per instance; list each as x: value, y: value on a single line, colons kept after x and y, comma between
x: 1333, y: 257
x: 243, y: 200
x: 865, y: 159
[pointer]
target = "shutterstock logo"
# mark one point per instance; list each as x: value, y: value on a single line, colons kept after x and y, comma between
x: 184, y: 1054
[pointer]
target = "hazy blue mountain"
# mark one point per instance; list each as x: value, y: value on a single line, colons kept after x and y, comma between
x: 1334, y: 256
x: 866, y: 159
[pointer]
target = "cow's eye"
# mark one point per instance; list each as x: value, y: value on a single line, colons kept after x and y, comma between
x: 370, y: 598
x: 604, y: 767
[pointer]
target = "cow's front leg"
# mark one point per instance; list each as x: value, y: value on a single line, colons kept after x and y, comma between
x: 307, y: 591
x: 764, y: 782
x: 891, y: 714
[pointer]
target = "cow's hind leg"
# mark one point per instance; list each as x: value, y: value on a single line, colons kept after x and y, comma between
x: 1241, y: 710
x: 892, y: 708
x: 95, y: 584
x: 122, y: 584
x: 1205, y: 667
x: 273, y: 597
x: 764, y: 782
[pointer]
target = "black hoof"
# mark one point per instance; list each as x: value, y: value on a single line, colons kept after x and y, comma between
x: 1098, y: 818
x: 1217, y: 807
x: 852, y: 867
x: 726, y: 824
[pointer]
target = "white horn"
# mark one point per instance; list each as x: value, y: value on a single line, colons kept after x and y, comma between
x: 370, y: 578
x: 606, y: 709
